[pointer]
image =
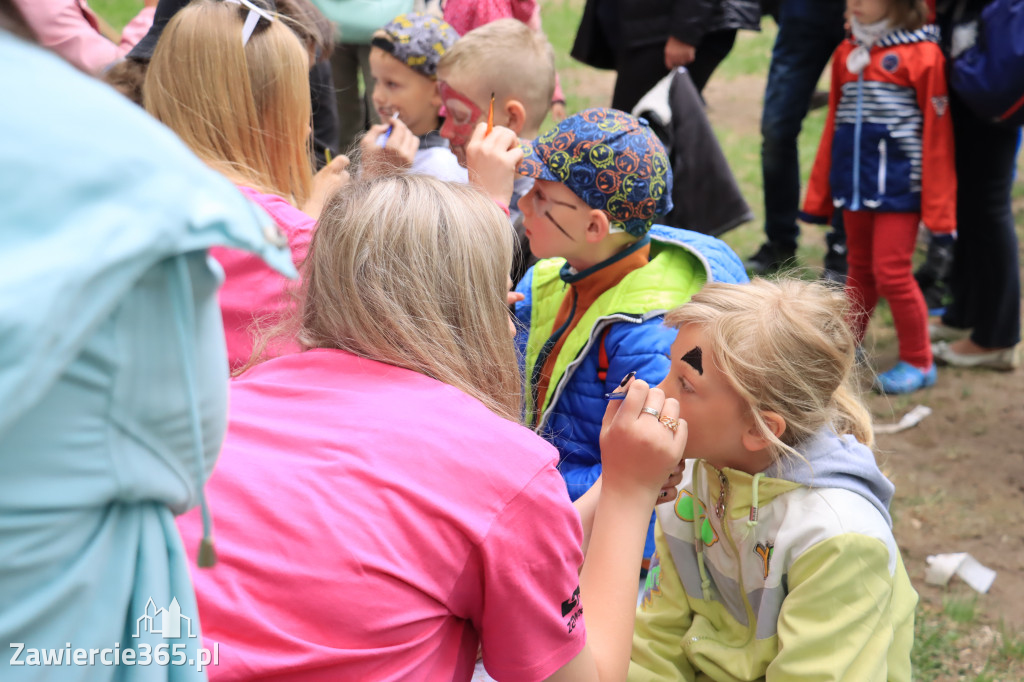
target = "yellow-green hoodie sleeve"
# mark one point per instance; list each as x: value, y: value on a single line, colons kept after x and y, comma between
x: 848, y: 616
x: 662, y: 620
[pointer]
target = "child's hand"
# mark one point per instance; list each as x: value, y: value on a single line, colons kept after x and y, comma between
x: 326, y: 182
x: 639, y: 452
x: 396, y: 155
x: 513, y: 296
x: 668, y: 491
x: 492, y: 159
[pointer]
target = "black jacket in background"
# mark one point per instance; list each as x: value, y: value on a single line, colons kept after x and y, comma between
x: 324, y: 105
x: 612, y: 26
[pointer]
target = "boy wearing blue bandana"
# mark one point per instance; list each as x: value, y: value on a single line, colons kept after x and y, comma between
x: 593, y: 307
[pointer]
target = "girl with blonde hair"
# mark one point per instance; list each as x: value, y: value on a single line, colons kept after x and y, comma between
x: 777, y: 560
x: 231, y: 80
x: 381, y: 513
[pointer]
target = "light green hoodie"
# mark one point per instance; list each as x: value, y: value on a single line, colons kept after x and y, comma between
x: 792, y: 574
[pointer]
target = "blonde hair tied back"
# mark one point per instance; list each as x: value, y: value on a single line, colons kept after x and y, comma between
x: 785, y: 347
x: 244, y: 110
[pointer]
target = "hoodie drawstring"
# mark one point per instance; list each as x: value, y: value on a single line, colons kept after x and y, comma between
x: 752, y: 521
x: 698, y: 540
x: 181, y: 297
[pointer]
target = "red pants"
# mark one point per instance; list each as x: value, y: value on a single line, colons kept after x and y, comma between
x: 879, y: 250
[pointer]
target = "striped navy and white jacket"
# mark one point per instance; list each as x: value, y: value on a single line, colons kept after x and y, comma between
x: 888, y: 140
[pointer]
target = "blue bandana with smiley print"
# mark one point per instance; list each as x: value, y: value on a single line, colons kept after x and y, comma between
x: 611, y: 160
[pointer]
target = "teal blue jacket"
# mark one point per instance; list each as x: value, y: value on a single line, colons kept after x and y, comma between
x: 113, y: 368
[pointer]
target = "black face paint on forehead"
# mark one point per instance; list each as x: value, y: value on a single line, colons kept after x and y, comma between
x: 694, y: 358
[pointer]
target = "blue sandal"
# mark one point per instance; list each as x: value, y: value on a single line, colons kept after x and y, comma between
x: 905, y: 378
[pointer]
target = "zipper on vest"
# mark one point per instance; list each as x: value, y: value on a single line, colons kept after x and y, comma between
x: 722, y: 510
x: 545, y: 351
x: 881, y: 168
x: 857, y: 125
x: 722, y: 495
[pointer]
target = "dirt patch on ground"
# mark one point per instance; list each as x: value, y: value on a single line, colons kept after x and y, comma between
x: 959, y: 479
x: 735, y: 104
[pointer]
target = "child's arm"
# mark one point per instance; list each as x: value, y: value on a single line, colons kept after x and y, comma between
x: 65, y: 28
x: 326, y: 182
x: 586, y: 505
x: 662, y: 620
x: 842, y: 614
x: 818, y: 203
x: 938, y: 174
x: 637, y: 459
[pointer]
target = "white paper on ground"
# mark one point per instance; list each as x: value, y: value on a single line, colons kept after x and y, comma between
x: 912, y: 418
x: 942, y: 567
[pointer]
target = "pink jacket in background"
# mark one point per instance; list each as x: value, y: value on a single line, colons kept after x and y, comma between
x: 71, y: 29
x: 465, y: 15
x: 252, y: 292
x: 373, y: 523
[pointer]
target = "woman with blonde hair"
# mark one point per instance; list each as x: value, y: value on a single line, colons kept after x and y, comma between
x: 777, y: 560
x: 381, y: 512
x: 231, y: 80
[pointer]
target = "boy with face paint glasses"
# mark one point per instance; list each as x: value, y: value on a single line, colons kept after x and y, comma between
x: 513, y: 63
x: 593, y: 307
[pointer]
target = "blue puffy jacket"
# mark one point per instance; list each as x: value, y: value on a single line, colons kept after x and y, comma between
x: 627, y: 321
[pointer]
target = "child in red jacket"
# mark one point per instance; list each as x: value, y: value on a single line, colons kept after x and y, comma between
x: 886, y: 161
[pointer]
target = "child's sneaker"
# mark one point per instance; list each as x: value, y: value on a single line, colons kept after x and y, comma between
x: 905, y: 378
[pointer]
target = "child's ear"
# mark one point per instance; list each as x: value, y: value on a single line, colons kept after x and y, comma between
x: 754, y: 440
x: 435, y: 99
x: 598, y: 227
x: 515, y: 112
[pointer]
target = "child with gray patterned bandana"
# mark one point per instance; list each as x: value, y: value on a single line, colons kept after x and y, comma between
x: 403, y: 58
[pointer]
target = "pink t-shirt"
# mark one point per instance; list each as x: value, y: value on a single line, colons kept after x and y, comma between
x: 252, y: 291
x: 71, y: 29
x: 372, y: 523
x: 465, y: 15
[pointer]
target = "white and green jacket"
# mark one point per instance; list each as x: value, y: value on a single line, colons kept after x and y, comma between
x: 792, y: 574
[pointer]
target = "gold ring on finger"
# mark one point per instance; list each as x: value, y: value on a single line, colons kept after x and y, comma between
x: 669, y: 423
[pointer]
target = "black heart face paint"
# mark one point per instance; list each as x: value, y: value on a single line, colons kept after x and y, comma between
x: 695, y: 358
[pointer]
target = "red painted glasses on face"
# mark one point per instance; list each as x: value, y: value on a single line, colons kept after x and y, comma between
x: 461, y: 113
